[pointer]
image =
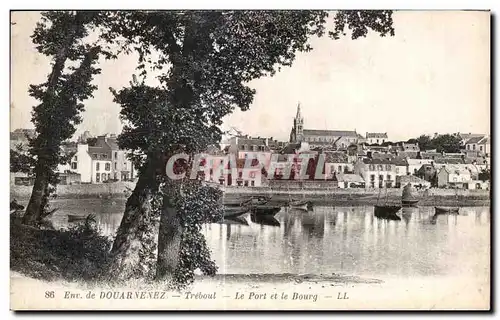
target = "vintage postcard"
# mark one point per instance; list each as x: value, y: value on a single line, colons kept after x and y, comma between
x: 250, y: 160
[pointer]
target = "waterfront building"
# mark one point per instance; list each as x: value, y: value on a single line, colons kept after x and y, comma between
x: 378, y: 172
x: 453, y: 176
x: 335, y: 163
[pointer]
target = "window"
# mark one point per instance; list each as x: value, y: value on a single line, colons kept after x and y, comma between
x: 76, y: 158
x: 377, y: 141
x: 372, y: 167
x: 480, y: 148
x: 380, y: 167
x: 252, y: 175
x: 380, y: 177
x: 246, y: 183
x: 107, y: 166
x: 116, y: 164
x: 473, y: 147
x: 389, y: 177
x: 94, y: 155
x: 240, y: 174
x: 116, y: 154
x: 372, y: 177
x: 468, y: 147
x: 340, y: 169
x: 116, y: 176
x: 242, y: 147
x: 73, y: 165
x: 97, y: 177
x: 103, y: 177
x: 252, y: 183
x: 125, y: 165
x: 388, y: 167
x: 97, y: 166
x: 104, y: 156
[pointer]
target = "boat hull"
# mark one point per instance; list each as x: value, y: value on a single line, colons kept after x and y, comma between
x: 265, y: 210
x: 409, y: 203
x: 387, y: 212
x: 234, y: 212
x: 444, y: 210
x: 267, y: 220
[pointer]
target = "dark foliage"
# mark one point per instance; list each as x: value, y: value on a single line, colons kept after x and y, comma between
x: 78, y: 253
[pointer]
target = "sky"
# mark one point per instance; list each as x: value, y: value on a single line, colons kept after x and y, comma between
x: 432, y: 76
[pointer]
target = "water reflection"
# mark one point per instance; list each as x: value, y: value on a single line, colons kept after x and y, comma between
x: 332, y: 239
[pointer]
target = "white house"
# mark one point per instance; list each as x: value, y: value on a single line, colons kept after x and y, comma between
x: 415, y: 164
x: 453, y: 177
x: 481, y: 145
x: 81, y: 163
x: 376, y: 137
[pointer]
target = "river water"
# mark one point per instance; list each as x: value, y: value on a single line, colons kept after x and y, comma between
x: 346, y: 240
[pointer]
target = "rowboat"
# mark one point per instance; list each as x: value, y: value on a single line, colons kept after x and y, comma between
x: 234, y: 220
x: 265, y: 210
x: 387, y: 212
x: 230, y: 212
x: 444, y: 210
x: 256, y: 201
x: 265, y: 220
x: 299, y: 204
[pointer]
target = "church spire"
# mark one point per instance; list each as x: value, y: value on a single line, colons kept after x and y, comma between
x: 298, y: 116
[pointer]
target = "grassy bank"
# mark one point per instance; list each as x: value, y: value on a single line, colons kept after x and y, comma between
x: 78, y: 253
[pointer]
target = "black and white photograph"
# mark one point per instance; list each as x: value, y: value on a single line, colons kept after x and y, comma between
x: 250, y: 160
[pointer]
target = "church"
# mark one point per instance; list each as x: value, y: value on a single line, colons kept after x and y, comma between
x: 337, y: 139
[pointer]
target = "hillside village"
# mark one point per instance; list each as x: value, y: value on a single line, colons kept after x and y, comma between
x: 351, y: 160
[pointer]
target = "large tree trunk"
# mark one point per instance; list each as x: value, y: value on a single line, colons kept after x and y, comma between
x: 135, y: 243
x: 169, y: 240
x: 35, y: 206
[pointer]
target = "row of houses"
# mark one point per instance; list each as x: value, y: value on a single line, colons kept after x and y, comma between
x: 370, y: 167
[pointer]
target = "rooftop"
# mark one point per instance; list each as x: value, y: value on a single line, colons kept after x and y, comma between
x: 336, y: 133
x: 376, y: 135
x: 475, y: 139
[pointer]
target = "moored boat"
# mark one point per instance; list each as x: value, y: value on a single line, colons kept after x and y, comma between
x: 234, y: 220
x: 387, y: 212
x: 408, y: 199
x: 299, y: 204
x: 265, y: 210
x: 267, y: 220
x: 230, y: 212
x: 445, y: 210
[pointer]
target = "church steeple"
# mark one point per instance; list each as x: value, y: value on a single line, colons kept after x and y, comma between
x: 298, y: 125
x: 298, y: 115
